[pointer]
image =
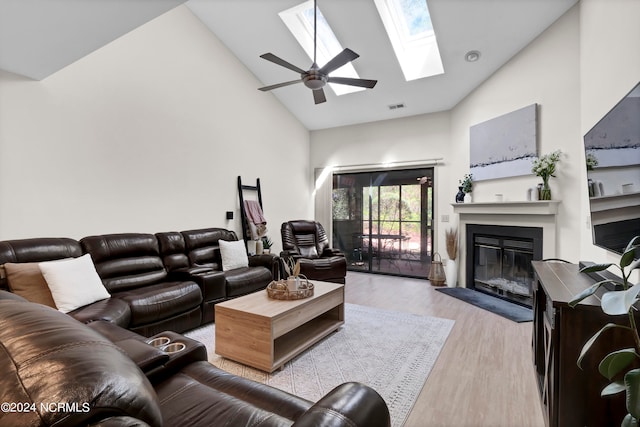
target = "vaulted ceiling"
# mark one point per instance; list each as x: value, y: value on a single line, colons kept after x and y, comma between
x: 40, y: 37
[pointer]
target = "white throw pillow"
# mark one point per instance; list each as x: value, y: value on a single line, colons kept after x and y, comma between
x: 73, y: 282
x: 233, y: 254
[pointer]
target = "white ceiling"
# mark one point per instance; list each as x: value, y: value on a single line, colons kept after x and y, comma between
x: 40, y: 37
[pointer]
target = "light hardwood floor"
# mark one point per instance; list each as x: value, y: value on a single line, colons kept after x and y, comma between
x: 484, y: 375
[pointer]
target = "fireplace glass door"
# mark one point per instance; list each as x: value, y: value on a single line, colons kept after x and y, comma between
x: 503, y: 267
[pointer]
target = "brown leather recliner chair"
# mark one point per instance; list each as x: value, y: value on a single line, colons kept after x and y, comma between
x: 307, y: 241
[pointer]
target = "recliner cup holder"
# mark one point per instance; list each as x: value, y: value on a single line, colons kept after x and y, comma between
x: 159, y: 342
x: 173, y: 347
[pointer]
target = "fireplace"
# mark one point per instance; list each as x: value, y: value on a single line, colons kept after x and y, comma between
x: 498, y: 260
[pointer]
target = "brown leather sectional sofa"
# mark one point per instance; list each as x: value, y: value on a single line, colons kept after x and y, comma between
x: 56, y: 371
x: 157, y: 282
x: 97, y: 365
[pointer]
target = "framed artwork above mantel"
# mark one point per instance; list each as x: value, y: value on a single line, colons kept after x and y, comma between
x: 504, y: 146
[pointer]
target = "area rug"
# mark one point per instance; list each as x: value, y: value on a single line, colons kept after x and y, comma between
x: 503, y: 308
x: 393, y: 352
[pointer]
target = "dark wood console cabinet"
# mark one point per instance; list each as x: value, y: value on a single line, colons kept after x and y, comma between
x: 570, y: 396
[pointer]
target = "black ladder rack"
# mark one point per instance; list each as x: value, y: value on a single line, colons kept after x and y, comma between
x: 243, y: 215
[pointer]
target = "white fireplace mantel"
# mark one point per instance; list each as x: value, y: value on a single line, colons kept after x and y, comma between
x: 539, y: 213
x: 538, y: 207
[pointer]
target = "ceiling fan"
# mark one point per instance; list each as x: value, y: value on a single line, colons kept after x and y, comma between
x: 315, y: 78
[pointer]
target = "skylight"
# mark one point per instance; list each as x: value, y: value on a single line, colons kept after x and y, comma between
x: 299, y: 20
x: 408, y: 25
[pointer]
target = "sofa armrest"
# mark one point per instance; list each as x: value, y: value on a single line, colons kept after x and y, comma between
x: 144, y: 355
x: 113, y: 332
x: 188, y: 273
x: 263, y: 260
x: 200, y: 270
x: 269, y: 261
x: 290, y: 253
x: 112, y: 310
x: 122, y: 421
x: 329, y: 252
x: 193, y: 351
x: 349, y: 404
x: 10, y: 295
x: 211, y: 282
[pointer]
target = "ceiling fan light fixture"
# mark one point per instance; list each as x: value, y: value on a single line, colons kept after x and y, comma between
x: 313, y: 79
x: 472, y: 56
x: 314, y: 84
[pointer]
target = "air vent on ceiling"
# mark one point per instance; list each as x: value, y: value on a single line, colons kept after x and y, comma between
x: 396, y: 106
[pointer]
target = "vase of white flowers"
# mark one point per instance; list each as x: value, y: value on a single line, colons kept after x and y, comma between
x: 545, y: 168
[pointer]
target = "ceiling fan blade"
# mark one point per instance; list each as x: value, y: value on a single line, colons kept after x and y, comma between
x: 369, y: 84
x: 276, y: 86
x: 271, y: 57
x: 318, y: 96
x: 338, y: 61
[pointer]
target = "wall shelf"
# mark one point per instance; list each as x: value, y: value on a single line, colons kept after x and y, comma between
x: 538, y: 207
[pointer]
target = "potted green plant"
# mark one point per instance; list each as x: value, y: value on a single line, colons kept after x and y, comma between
x: 267, y: 243
x: 617, y: 365
x: 467, y: 183
x: 467, y: 186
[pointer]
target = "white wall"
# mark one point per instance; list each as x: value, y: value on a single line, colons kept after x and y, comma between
x: 400, y: 140
x: 146, y: 134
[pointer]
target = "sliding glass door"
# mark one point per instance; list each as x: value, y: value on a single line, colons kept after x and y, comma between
x: 383, y: 221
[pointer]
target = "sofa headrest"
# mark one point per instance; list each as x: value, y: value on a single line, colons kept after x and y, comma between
x: 37, y: 250
x: 122, y: 245
x: 301, y: 233
x: 65, y: 372
x: 203, y: 247
x: 302, y: 226
x: 173, y: 250
x: 195, y: 239
x: 126, y: 260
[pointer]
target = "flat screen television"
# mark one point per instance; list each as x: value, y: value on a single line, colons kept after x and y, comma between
x: 612, y: 149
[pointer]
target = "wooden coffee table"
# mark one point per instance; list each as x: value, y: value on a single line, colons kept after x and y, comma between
x: 266, y: 333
